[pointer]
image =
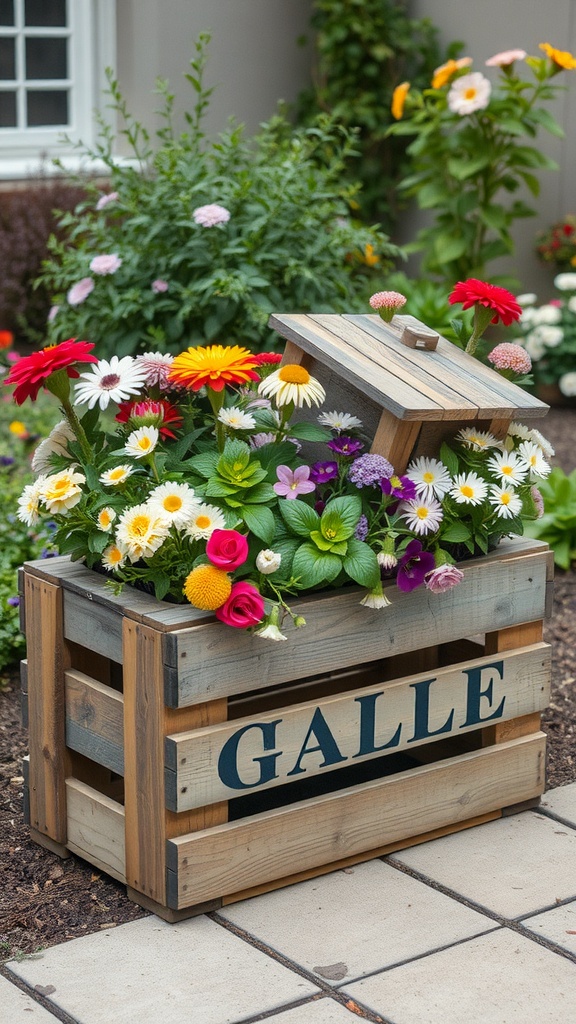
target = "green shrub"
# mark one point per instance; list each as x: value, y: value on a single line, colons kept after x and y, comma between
x: 289, y: 244
x: 558, y: 524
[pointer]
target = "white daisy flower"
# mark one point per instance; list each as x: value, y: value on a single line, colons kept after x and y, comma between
x: 505, y: 501
x: 174, y: 501
x: 236, y: 419
x: 204, y: 520
x: 539, y: 439
x: 116, y: 476
x: 141, y: 442
x: 156, y: 366
x: 519, y: 430
x: 62, y: 491
x: 422, y: 515
x: 547, y: 315
x: 114, y: 557
x: 565, y: 282
x: 567, y: 384
x: 509, y: 467
x: 339, y: 420
x: 141, y: 530
x: 268, y: 561
x: 531, y: 455
x: 534, y: 345
x: 469, y: 489
x: 115, y: 380
x: 430, y: 476
x: 550, y: 335
x: 106, y: 517
x: 29, y: 502
x: 477, y: 439
x: 527, y: 299
x: 54, y: 444
x: 292, y: 384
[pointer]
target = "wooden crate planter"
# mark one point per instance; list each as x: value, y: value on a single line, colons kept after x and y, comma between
x: 199, y: 764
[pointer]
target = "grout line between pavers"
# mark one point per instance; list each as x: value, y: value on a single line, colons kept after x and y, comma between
x: 554, y: 816
x: 43, y: 1001
x: 281, y: 958
x: 505, y: 922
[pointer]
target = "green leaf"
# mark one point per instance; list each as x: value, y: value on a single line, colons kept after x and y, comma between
x: 449, y: 247
x: 314, y: 567
x: 260, y: 521
x: 456, y: 533
x: 299, y: 517
x: 449, y: 458
x: 462, y: 169
x: 361, y: 564
x: 261, y: 494
x: 547, y: 121
x: 340, y: 517
x: 309, y: 432
x: 204, y: 464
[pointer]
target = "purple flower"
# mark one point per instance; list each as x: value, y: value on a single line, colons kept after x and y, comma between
x: 6, y: 460
x: 345, y: 446
x: 80, y: 291
x: 413, y: 566
x: 159, y: 286
x: 13, y: 602
x: 211, y: 215
x: 291, y: 483
x: 108, y: 263
x: 399, y: 487
x: 322, y: 472
x: 443, y: 578
x: 361, y: 531
x: 369, y: 469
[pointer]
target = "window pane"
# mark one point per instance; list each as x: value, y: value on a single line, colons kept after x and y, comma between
x: 7, y: 109
x: 45, y: 13
x: 6, y: 12
x: 7, y: 58
x: 47, y: 107
x: 46, y: 58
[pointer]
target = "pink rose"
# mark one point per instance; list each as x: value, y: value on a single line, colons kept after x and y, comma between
x: 158, y: 286
x: 227, y: 549
x: 109, y: 263
x: 244, y: 607
x: 80, y: 291
x: 443, y: 578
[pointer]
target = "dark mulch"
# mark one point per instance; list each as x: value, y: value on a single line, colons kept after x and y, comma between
x: 45, y: 900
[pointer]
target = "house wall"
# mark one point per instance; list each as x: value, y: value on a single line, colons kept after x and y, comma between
x: 487, y: 28
x: 254, y: 58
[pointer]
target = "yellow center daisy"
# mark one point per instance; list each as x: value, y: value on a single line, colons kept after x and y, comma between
x: 293, y: 374
x: 207, y: 587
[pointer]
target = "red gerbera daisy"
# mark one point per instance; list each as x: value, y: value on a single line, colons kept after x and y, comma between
x: 479, y: 293
x: 31, y: 372
x: 263, y: 358
x: 150, y: 412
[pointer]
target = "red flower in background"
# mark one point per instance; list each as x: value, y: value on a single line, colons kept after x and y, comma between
x: 6, y: 339
x: 263, y: 358
x: 31, y: 372
x: 479, y: 293
x: 156, y: 413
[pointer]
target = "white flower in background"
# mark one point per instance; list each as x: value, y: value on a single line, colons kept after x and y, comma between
x: 80, y: 291
x: 268, y: 561
x: 54, y: 444
x: 141, y: 442
x: 29, y: 502
x: 175, y: 501
x: 534, y: 345
x: 532, y: 456
x: 571, y: 304
x: 509, y: 467
x: 477, y: 439
x: 526, y: 299
x: 505, y: 501
x: 52, y: 313
x: 108, y: 263
x: 567, y: 384
x: 547, y: 314
x: 519, y: 430
x: 106, y: 199
x: 141, y: 531
x: 565, y: 282
x: 339, y: 420
x: 113, y: 380
x: 430, y: 476
x: 469, y: 93
x: 116, y: 476
x: 62, y: 491
x: 235, y: 419
x: 106, y: 517
x: 540, y: 440
x: 204, y: 520
x: 550, y: 335
x: 270, y: 631
x: 114, y: 557
x: 211, y: 215
x: 469, y: 489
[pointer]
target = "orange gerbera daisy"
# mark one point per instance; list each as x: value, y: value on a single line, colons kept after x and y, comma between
x: 399, y: 99
x: 213, y: 366
x: 444, y: 73
x: 562, y: 58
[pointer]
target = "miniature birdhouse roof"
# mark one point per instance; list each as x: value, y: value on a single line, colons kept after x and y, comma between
x: 360, y: 359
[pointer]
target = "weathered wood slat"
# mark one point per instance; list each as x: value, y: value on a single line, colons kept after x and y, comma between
x: 96, y: 828
x: 266, y: 846
x: 207, y: 662
x: 95, y: 720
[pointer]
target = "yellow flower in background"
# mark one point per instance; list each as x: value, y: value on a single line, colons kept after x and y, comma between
x: 371, y: 258
x: 18, y: 429
x: 399, y: 99
x: 562, y: 58
x: 444, y: 73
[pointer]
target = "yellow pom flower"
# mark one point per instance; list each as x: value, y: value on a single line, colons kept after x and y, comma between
x: 399, y: 99
x: 207, y: 587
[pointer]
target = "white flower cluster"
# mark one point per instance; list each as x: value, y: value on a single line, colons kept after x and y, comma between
x: 548, y: 332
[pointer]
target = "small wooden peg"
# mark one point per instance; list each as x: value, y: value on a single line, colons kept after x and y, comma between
x: 416, y: 336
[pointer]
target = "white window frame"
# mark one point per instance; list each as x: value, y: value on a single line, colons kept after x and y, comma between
x: 92, y: 48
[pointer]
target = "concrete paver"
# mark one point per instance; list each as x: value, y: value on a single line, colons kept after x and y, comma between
x: 558, y: 926
x: 562, y: 802
x: 499, y: 978
x: 513, y: 866
x: 325, y: 1011
x: 150, y: 971
x: 18, y: 1008
x: 350, y: 923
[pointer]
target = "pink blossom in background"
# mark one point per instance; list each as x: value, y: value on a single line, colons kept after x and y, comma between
x: 507, y: 356
x: 387, y: 300
x: 109, y: 263
x: 159, y: 286
x: 443, y: 578
x: 211, y: 215
x: 292, y: 483
x: 501, y: 60
x: 104, y: 200
x: 53, y: 312
x: 80, y: 291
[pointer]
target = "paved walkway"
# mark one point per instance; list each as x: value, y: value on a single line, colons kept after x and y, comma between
x: 475, y: 928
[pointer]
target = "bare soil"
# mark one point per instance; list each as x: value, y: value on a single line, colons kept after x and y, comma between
x: 45, y: 900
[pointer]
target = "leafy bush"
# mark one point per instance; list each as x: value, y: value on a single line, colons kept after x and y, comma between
x: 364, y: 47
x: 204, y: 239
x: 558, y: 524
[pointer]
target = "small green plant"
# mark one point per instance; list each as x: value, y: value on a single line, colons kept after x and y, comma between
x: 473, y: 154
x: 557, y: 526
x: 200, y: 240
